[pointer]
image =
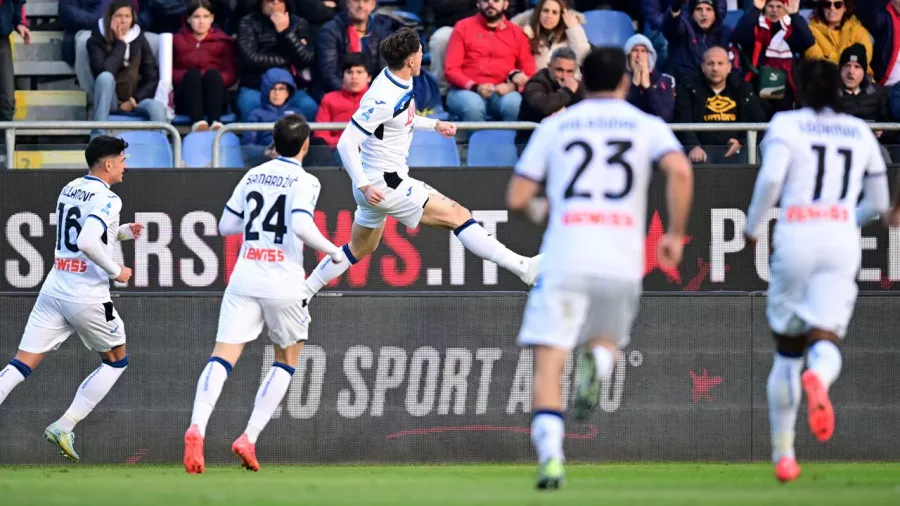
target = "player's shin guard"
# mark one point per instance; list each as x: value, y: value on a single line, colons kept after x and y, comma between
x: 477, y: 240
x: 12, y: 375
x: 547, y: 434
x: 327, y: 270
x: 784, y: 395
x: 92, y: 390
x: 268, y: 397
x: 824, y: 358
x: 209, y: 387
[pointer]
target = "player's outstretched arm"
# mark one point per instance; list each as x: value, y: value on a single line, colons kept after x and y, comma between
x: 305, y: 228
x: 679, y: 195
x: 776, y: 159
x: 90, y: 243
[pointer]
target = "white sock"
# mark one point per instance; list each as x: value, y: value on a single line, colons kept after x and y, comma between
x: 783, y: 390
x: 824, y: 358
x: 547, y: 434
x: 12, y: 375
x: 327, y: 270
x: 268, y: 397
x: 92, y: 390
x: 209, y: 387
x: 476, y: 239
x: 606, y: 362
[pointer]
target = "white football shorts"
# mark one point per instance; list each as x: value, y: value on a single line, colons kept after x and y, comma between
x: 812, y: 287
x: 53, y: 320
x: 563, y: 312
x: 405, y: 203
x: 241, y: 320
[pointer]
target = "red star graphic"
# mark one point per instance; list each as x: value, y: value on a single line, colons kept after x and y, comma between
x: 702, y: 385
x: 651, y: 243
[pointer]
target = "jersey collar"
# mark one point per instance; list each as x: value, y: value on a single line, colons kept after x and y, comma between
x: 288, y: 160
x: 394, y: 79
x: 94, y: 178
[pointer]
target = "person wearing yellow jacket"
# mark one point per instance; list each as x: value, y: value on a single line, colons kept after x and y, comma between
x: 835, y: 27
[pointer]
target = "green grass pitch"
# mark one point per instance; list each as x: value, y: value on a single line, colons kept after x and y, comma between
x: 608, y: 484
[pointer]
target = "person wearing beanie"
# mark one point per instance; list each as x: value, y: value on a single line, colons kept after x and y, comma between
x: 651, y: 91
x: 691, y: 28
x: 860, y: 96
x: 835, y: 27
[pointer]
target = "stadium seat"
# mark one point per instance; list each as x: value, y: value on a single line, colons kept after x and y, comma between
x: 181, y: 119
x: 732, y: 18
x: 492, y: 148
x: 196, y: 150
x: 126, y: 116
x: 431, y: 149
x: 806, y: 13
x: 147, y: 149
x: 608, y: 28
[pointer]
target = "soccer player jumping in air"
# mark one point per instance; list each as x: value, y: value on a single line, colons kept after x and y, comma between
x: 374, y: 148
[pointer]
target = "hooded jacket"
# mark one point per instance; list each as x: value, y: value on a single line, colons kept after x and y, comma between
x: 576, y: 39
x: 831, y: 43
x: 687, y: 42
x: 78, y: 15
x: 659, y: 98
x: 697, y: 103
x: 217, y: 51
x: 267, y: 112
x: 132, y: 63
x: 261, y: 48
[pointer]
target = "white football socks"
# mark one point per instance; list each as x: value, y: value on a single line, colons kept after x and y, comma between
x: 477, y: 240
x: 606, y: 362
x: 92, y: 390
x: 327, y: 270
x: 784, y: 393
x: 824, y: 359
x: 209, y: 387
x: 12, y: 375
x: 547, y: 434
x: 268, y: 397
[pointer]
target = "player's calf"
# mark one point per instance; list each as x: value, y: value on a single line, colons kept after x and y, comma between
x: 14, y: 373
x: 597, y: 364
x: 824, y: 366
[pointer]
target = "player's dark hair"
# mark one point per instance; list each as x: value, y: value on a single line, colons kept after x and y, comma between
x: 399, y: 46
x: 101, y: 147
x: 602, y: 69
x: 353, y: 60
x: 290, y: 133
x: 818, y: 84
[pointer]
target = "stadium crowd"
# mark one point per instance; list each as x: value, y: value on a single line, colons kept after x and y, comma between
x: 257, y: 60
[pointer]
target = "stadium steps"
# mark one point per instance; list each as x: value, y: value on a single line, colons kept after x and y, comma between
x: 51, y: 106
x: 43, y: 58
x: 41, y: 9
x: 50, y: 159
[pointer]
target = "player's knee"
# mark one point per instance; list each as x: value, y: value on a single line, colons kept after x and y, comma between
x: 789, y: 346
x: 822, y: 335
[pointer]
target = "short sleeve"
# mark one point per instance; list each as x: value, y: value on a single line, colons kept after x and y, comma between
x: 305, y: 195
x: 371, y: 114
x: 664, y: 141
x: 235, y: 204
x: 107, y: 211
x: 533, y: 162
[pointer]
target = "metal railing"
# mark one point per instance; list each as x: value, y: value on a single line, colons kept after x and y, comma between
x: 58, y: 128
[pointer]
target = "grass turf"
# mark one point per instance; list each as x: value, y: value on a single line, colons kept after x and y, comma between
x: 631, y: 484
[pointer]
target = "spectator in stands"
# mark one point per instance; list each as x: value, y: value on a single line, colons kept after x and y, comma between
x: 655, y: 13
x: 355, y: 30
x: 550, y: 90
x: 769, y: 39
x: 204, y: 67
x: 339, y: 106
x: 488, y: 62
x: 277, y: 90
x: 273, y: 37
x: 835, y: 27
x: 168, y: 16
x: 882, y: 19
x: 651, y: 91
x: 860, y: 96
x: 124, y: 68
x: 691, y: 29
x: 552, y: 24
x: 446, y: 14
x: 317, y: 12
x: 12, y: 18
x: 718, y: 96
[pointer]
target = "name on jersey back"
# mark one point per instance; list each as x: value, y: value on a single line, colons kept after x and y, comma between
x: 836, y: 129
x: 77, y: 194
x: 598, y: 123
x: 274, y: 181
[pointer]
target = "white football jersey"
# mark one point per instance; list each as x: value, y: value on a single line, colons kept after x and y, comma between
x: 831, y: 153
x: 596, y: 160
x: 270, y: 263
x: 386, y: 114
x: 73, y: 276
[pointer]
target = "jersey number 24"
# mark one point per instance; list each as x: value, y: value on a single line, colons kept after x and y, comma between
x: 273, y: 221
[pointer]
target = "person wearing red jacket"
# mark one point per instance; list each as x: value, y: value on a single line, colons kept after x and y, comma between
x: 339, y: 106
x: 204, y: 67
x: 488, y: 62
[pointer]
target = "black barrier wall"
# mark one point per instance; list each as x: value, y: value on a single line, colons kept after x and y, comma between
x: 183, y: 251
x: 414, y: 378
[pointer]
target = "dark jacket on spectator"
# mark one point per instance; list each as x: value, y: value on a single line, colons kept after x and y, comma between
x: 78, y: 15
x: 542, y: 97
x: 261, y: 48
x: 748, y: 33
x: 870, y: 104
x: 697, y: 103
x: 878, y: 19
x: 895, y: 101
x: 449, y: 12
x: 658, y: 99
x: 655, y: 11
x: 139, y: 78
x: 316, y: 13
x: 12, y: 14
x: 217, y: 51
x: 268, y: 113
x: 687, y: 42
x: 334, y: 42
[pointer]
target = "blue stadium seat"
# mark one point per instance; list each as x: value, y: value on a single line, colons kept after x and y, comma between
x: 126, y: 117
x: 196, y: 150
x: 147, y: 149
x: 608, y: 28
x: 806, y: 13
x: 431, y: 149
x: 492, y: 148
x: 181, y: 119
x: 732, y: 18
